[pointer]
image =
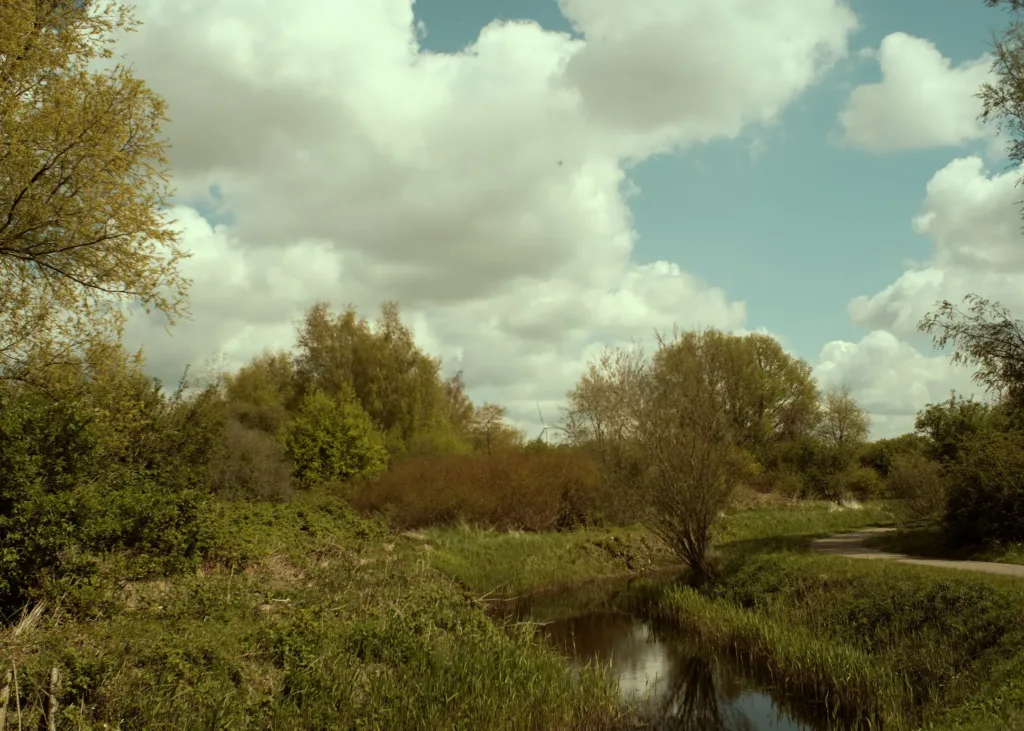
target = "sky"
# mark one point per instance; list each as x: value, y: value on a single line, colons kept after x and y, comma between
x: 535, y: 180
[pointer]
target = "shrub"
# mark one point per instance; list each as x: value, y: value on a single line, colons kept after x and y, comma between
x: 110, y: 467
x: 515, y: 490
x: 917, y: 481
x: 986, y: 490
x: 788, y: 483
x: 862, y: 483
x: 331, y: 439
x: 251, y: 463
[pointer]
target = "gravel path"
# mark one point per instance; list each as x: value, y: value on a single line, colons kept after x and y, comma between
x: 851, y: 545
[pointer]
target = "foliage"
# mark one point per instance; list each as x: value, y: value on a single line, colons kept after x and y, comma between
x: 536, y: 490
x: 489, y: 431
x: 1003, y: 98
x: 862, y: 483
x: 986, y: 491
x: 83, y: 186
x: 251, y: 464
x: 331, y: 438
x: 397, y: 384
x: 844, y: 425
x: 666, y: 435
x: 984, y: 336
x: 951, y: 425
x: 918, y: 482
x: 113, y: 466
x: 880, y: 454
x: 263, y: 393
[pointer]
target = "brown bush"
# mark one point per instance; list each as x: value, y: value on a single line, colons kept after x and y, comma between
x: 251, y: 464
x: 528, y: 490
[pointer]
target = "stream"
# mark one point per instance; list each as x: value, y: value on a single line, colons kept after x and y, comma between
x: 678, y: 685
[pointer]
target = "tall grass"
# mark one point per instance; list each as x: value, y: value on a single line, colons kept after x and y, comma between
x: 305, y: 617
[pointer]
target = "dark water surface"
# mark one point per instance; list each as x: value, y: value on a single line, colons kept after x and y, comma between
x: 676, y: 684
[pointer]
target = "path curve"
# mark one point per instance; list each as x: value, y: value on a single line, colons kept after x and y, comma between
x: 851, y: 545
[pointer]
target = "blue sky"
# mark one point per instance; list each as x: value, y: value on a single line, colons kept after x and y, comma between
x: 807, y: 225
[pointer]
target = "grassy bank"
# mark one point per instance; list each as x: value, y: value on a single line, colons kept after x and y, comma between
x: 499, y: 563
x: 930, y: 541
x: 308, y: 618
x: 900, y: 645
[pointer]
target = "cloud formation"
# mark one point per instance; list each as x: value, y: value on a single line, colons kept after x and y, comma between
x: 923, y: 100
x: 484, y: 190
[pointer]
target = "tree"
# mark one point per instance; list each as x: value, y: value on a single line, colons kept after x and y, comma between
x: 1003, y: 99
x: 332, y: 438
x: 770, y: 395
x: 491, y: 433
x: 263, y: 393
x: 83, y: 186
x: 398, y: 385
x: 667, y: 416
x: 844, y: 425
x: 986, y: 337
x: 951, y: 425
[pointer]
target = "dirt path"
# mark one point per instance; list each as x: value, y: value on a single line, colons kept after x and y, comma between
x: 851, y: 545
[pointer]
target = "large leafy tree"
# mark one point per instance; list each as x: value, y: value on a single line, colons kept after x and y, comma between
x: 667, y: 430
x: 398, y: 384
x: 83, y: 185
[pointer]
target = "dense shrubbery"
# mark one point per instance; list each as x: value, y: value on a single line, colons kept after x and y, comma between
x: 986, y: 491
x: 113, y: 465
x: 532, y: 490
x: 332, y: 439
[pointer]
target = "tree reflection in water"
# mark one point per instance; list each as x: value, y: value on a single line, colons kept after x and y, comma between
x: 679, y: 687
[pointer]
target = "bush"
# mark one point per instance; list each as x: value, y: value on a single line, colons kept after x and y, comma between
x: 251, y: 464
x: 113, y: 466
x: 788, y: 483
x: 986, y: 491
x: 917, y: 481
x: 332, y: 439
x: 535, y: 490
x: 862, y: 483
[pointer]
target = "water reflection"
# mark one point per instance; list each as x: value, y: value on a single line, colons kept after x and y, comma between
x: 677, y: 686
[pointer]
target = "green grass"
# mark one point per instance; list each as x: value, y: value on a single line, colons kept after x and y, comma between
x: 929, y: 541
x: 309, y: 618
x: 501, y: 564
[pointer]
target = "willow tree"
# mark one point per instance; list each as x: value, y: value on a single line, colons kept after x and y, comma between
x: 83, y: 185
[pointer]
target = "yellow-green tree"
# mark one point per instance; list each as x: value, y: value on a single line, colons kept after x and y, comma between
x: 263, y: 392
x: 83, y: 185
x: 398, y: 385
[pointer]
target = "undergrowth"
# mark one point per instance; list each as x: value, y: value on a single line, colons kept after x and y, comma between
x: 304, y: 616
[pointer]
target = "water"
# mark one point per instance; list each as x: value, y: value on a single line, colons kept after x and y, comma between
x: 677, y: 684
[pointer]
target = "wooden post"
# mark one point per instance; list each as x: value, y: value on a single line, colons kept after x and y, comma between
x: 51, y: 717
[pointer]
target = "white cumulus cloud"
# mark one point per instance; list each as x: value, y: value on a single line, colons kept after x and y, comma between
x: 923, y: 100
x: 484, y: 190
x: 972, y: 220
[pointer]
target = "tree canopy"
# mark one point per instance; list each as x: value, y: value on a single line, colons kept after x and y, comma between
x: 83, y: 186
